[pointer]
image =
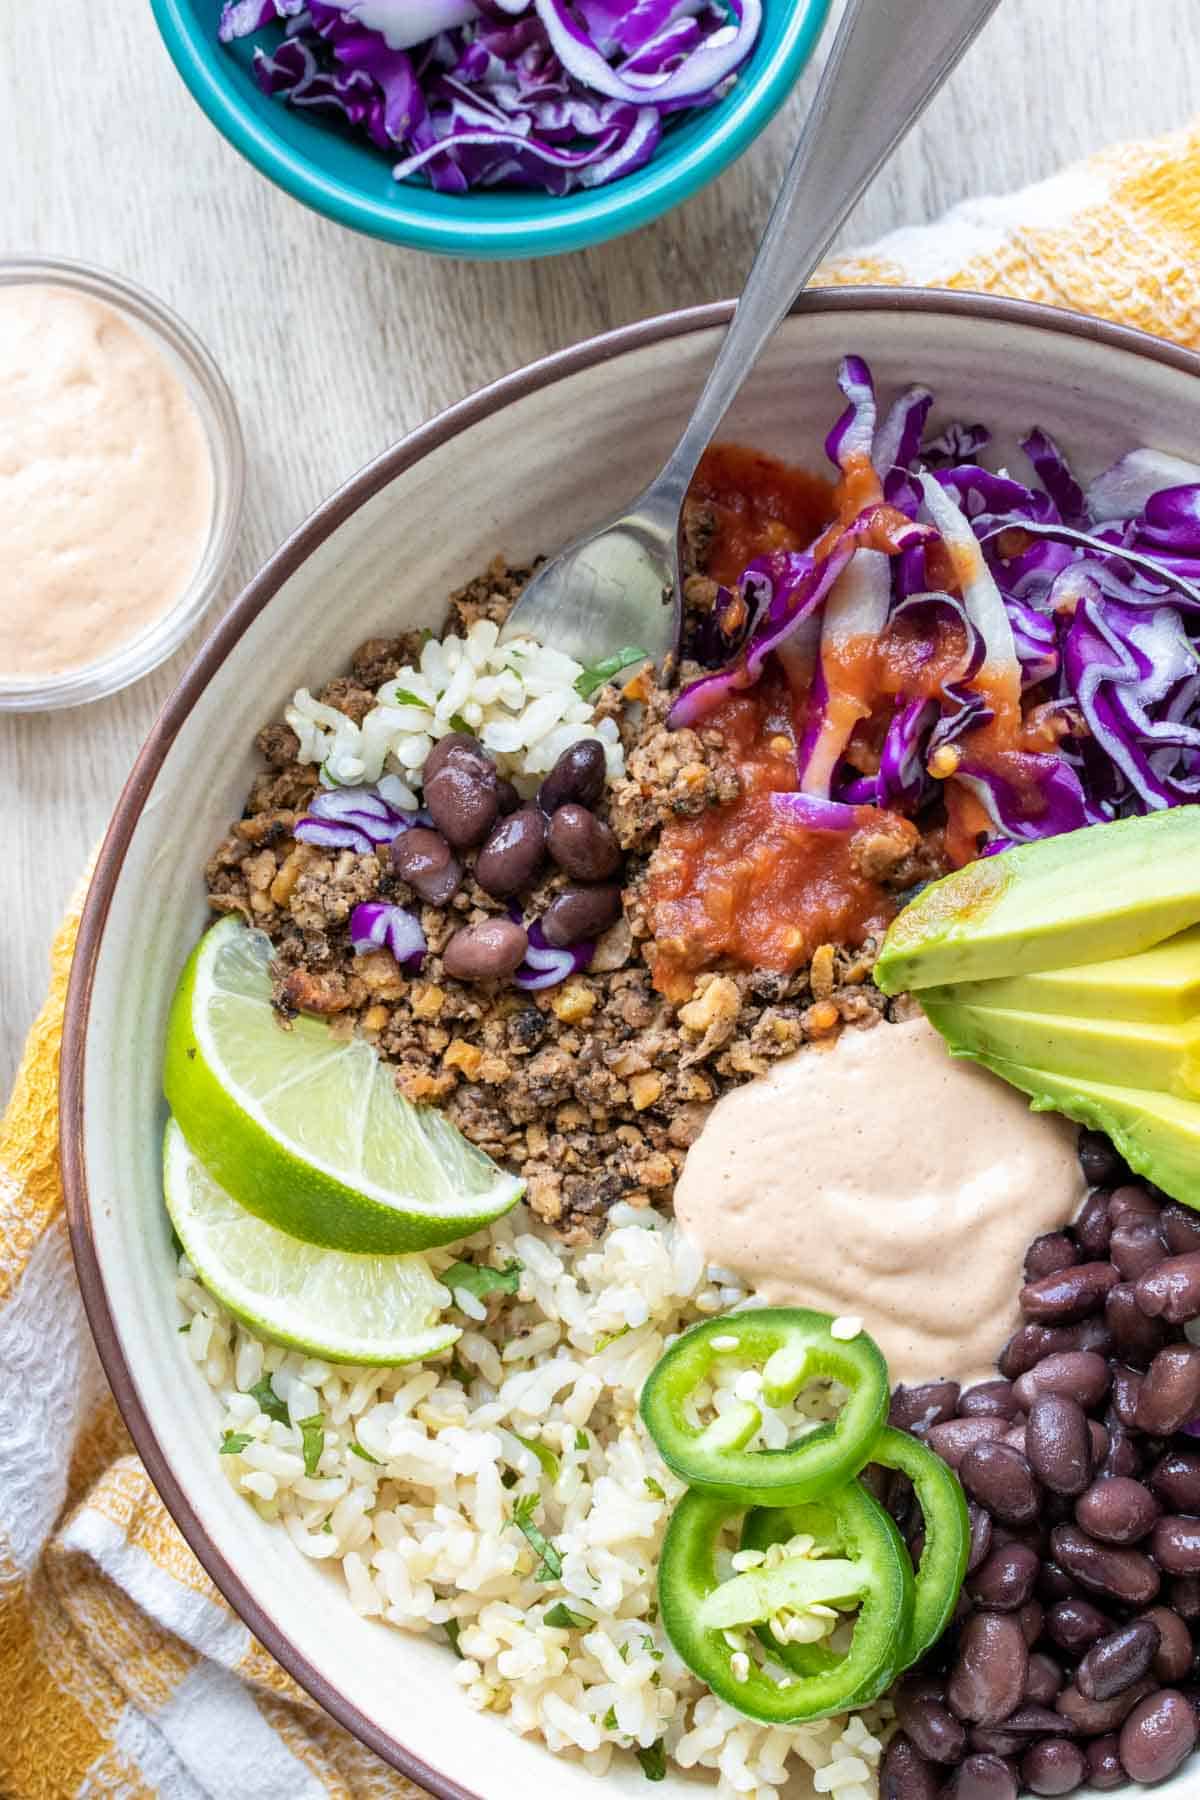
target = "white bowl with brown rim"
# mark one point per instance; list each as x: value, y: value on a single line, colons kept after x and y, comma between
x: 517, y: 469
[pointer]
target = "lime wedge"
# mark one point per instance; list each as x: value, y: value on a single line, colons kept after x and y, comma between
x: 376, y: 1310
x: 307, y: 1130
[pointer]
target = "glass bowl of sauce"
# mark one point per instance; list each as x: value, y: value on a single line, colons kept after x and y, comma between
x: 121, y: 479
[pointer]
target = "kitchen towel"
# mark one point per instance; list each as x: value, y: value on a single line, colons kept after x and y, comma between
x: 122, y: 1671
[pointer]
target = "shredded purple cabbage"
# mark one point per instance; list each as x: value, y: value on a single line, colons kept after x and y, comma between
x: 353, y: 818
x: 1080, y: 602
x: 551, y: 94
x: 375, y: 926
x: 544, y: 966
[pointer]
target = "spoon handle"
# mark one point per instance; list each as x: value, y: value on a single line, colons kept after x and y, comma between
x: 888, y: 59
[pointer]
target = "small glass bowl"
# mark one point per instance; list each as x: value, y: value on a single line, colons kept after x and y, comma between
x: 210, y: 396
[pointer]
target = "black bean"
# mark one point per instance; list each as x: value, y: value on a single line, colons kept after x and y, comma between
x: 1046, y: 1254
x: 581, y: 912
x: 1175, y: 1478
x: 982, y: 1778
x: 928, y: 1403
x: 581, y: 844
x: 461, y: 798
x: 1175, y: 1545
x: 1126, y: 1395
x: 1104, y: 1771
x: 1132, y: 1201
x: 1170, y: 1394
x: 922, y: 1711
x: 1099, y: 1161
x: 512, y: 854
x: 1171, y: 1291
x: 1092, y: 1718
x: 425, y: 860
x: 1069, y: 1294
x: 1118, y: 1660
x: 1136, y: 1248
x: 485, y: 952
x: 1124, y: 1575
x: 1055, y: 1766
x: 1075, y: 1625
x: 1175, y: 1655
x: 507, y: 797
x: 1180, y: 1228
x: 1137, y: 1337
x: 1092, y: 1228
x: 1031, y: 1720
x: 1159, y: 1734
x: 1032, y: 1619
x: 1183, y: 1597
x: 1117, y: 1510
x: 988, y: 1400
x: 1007, y: 1579
x: 1054, y: 1584
x: 1093, y: 1334
x: 1123, y: 1456
x: 1080, y: 1374
x: 988, y: 1679
x: 956, y: 1437
x: 996, y: 1741
x: 905, y: 1775
x: 981, y: 1535
x: 1058, y: 1443
x: 577, y: 775
x: 454, y: 743
x: 1026, y: 1347
x: 1044, y: 1681
x: 1001, y: 1479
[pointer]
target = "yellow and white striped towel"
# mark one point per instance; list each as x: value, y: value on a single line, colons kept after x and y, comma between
x: 122, y: 1671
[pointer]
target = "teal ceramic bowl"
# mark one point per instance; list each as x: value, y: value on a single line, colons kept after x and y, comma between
x: 352, y: 183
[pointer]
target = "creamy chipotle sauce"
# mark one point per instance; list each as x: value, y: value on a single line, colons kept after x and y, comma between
x: 106, y: 484
x: 886, y: 1180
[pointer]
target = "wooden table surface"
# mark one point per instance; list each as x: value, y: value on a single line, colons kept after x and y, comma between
x: 334, y: 345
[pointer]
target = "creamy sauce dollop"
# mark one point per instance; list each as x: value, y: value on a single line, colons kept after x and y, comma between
x: 886, y: 1180
x: 106, y: 484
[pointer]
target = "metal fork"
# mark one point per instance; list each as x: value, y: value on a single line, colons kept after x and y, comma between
x: 619, y: 585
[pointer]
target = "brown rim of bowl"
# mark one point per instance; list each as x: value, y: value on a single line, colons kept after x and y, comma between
x: 290, y: 555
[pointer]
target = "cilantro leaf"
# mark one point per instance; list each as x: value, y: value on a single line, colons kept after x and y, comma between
x: 543, y: 1453
x: 598, y: 673
x: 312, y: 1438
x: 328, y: 1526
x: 460, y: 1372
x: 358, y: 1450
x: 458, y: 723
x: 480, y: 1281
x: 609, y: 1720
x: 654, y: 1761
x: 582, y: 1441
x: 233, y: 1443
x: 549, y: 1561
x: 561, y: 1616
x: 610, y: 1337
x: 406, y: 697
x: 655, y: 1488
x: 269, y: 1401
x: 453, y: 1630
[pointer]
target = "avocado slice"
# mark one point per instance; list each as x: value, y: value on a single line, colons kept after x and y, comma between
x: 1157, y: 1134
x: 1085, y: 896
x: 1133, y: 1053
x: 1160, y: 985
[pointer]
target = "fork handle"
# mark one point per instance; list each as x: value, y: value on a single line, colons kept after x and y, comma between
x: 888, y: 60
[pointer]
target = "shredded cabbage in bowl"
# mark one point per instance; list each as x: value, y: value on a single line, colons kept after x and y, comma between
x: 551, y: 94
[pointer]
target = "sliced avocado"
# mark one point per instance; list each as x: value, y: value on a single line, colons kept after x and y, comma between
x: 1157, y: 1134
x: 1129, y: 1052
x: 1160, y: 985
x: 1106, y: 891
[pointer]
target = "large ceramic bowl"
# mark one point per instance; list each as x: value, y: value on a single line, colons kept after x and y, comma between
x: 519, y: 468
x: 352, y: 183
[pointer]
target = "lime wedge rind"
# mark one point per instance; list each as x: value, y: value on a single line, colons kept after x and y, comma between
x: 376, y: 1311
x: 307, y: 1133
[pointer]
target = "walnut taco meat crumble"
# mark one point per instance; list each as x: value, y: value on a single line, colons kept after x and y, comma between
x: 592, y: 1090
